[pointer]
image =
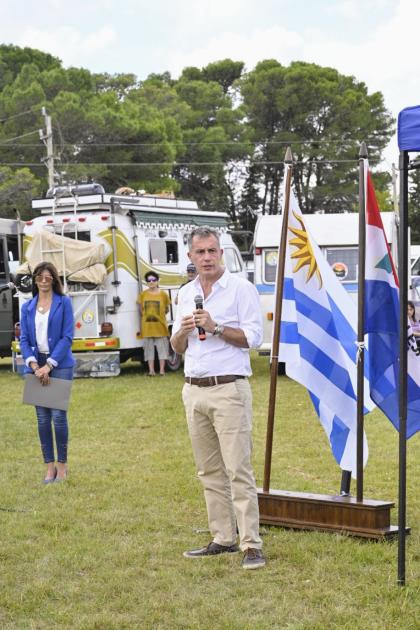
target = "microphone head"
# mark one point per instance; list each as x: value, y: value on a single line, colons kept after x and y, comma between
x: 198, y: 301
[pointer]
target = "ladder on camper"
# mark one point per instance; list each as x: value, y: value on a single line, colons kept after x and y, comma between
x: 60, y: 250
x: 62, y: 226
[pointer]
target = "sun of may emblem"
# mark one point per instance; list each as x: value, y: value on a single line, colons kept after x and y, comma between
x: 304, y: 254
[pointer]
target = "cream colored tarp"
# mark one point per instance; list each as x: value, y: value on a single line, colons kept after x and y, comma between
x: 83, y: 262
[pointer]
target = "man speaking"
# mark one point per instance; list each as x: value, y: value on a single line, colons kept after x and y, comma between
x: 218, y: 320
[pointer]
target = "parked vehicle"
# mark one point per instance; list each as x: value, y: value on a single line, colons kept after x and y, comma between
x: 337, y: 237
x: 123, y: 236
x: 9, y: 259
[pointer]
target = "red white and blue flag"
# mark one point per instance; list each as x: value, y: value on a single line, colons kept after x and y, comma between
x: 382, y: 323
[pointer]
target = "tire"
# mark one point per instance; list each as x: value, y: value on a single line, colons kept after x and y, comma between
x: 24, y: 283
x: 174, y: 362
x: 281, y: 370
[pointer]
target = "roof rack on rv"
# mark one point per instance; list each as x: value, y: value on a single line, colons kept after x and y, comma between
x: 73, y: 190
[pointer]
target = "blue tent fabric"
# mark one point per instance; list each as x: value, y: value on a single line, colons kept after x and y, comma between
x: 409, y: 129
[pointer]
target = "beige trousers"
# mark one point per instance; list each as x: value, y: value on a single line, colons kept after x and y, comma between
x: 220, y: 427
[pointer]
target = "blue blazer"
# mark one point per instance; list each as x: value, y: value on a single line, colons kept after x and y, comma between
x: 60, y: 331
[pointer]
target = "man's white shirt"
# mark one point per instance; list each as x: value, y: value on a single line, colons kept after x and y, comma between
x: 234, y: 302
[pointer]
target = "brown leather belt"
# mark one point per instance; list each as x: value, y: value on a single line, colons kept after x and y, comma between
x: 211, y: 381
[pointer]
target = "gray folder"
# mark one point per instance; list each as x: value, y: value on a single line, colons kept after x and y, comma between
x: 55, y: 395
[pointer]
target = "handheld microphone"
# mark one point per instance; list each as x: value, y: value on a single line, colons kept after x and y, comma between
x: 8, y: 285
x: 199, y: 305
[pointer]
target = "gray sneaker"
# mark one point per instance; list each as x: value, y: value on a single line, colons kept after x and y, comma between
x: 253, y: 559
x: 212, y: 549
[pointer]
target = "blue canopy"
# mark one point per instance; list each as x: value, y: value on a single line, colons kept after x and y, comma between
x: 409, y: 129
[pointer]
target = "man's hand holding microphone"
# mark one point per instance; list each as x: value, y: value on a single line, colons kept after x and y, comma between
x: 199, y: 319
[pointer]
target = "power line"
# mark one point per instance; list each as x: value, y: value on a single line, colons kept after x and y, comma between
x: 193, y: 144
x: 28, y: 111
x: 174, y: 164
x: 23, y: 135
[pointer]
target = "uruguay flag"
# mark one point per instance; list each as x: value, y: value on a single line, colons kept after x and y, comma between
x: 382, y: 323
x: 318, y: 340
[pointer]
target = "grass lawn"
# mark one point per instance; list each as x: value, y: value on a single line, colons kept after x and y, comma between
x: 104, y: 550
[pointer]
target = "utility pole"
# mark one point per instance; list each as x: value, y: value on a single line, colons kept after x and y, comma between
x: 47, y: 139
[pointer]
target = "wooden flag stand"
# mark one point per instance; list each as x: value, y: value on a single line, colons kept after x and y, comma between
x: 327, y: 513
x: 361, y: 517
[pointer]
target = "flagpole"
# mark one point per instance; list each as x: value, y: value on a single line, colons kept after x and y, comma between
x: 288, y: 159
x: 361, y: 319
x: 403, y: 282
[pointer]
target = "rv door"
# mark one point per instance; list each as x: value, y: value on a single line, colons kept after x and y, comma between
x: 6, y: 301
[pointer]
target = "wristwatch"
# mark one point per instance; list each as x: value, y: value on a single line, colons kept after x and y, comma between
x: 218, y: 330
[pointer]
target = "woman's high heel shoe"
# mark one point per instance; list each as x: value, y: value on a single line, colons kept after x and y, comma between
x: 50, y: 479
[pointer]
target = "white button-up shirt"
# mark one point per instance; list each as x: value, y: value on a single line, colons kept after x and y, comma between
x: 234, y: 302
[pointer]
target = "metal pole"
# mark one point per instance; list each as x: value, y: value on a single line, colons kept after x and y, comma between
x: 394, y: 187
x: 345, y: 483
x: 361, y: 320
x: 115, y: 282
x: 47, y: 139
x: 277, y: 319
x: 403, y: 281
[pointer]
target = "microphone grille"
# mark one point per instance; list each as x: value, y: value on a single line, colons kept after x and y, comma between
x: 198, y: 301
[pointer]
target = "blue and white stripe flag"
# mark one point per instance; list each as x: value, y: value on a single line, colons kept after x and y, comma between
x: 318, y: 340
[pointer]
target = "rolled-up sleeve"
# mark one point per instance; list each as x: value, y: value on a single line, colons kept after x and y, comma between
x: 250, y: 315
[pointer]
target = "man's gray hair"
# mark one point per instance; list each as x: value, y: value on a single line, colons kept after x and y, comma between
x: 204, y: 231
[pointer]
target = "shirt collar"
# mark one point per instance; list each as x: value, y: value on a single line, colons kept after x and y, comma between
x: 223, y: 280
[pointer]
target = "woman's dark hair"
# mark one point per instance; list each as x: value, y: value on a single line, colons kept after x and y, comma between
x: 410, y: 303
x: 152, y: 274
x: 57, y: 287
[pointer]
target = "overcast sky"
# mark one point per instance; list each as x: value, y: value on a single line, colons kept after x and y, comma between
x: 377, y: 41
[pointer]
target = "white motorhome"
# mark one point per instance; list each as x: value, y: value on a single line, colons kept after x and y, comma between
x: 337, y: 237
x: 133, y: 234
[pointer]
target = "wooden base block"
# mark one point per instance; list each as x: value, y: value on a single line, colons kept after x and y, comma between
x: 343, y: 514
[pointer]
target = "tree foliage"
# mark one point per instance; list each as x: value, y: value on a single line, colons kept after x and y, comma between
x: 216, y: 134
x: 324, y: 115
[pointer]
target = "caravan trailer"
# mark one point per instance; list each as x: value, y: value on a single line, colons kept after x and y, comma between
x: 124, y: 236
x: 337, y: 236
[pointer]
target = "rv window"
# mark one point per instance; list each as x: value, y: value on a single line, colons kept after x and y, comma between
x: 415, y: 271
x: 344, y: 262
x: 231, y: 259
x: 163, y: 252
x: 81, y: 235
x: 270, y: 265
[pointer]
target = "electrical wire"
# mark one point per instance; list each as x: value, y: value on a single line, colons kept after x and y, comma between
x: 175, y: 164
x: 23, y: 135
x: 28, y: 111
x: 195, y: 144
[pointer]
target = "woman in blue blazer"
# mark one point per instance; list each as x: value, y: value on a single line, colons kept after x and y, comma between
x: 47, y: 328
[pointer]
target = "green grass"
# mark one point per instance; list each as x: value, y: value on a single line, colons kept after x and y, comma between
x: 104, y: 550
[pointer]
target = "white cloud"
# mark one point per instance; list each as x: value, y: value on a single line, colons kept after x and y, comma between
x: 99, y: 40
x: 67, y: 43
x: 273, y: 43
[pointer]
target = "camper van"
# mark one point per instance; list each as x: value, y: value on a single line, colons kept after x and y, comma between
x: 337, y: 236
x: 103, y: 244
x: 9, y: 259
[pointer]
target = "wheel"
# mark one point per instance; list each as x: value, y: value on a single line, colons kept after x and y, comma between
x: 174, y: 362
x: 24, y: 283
